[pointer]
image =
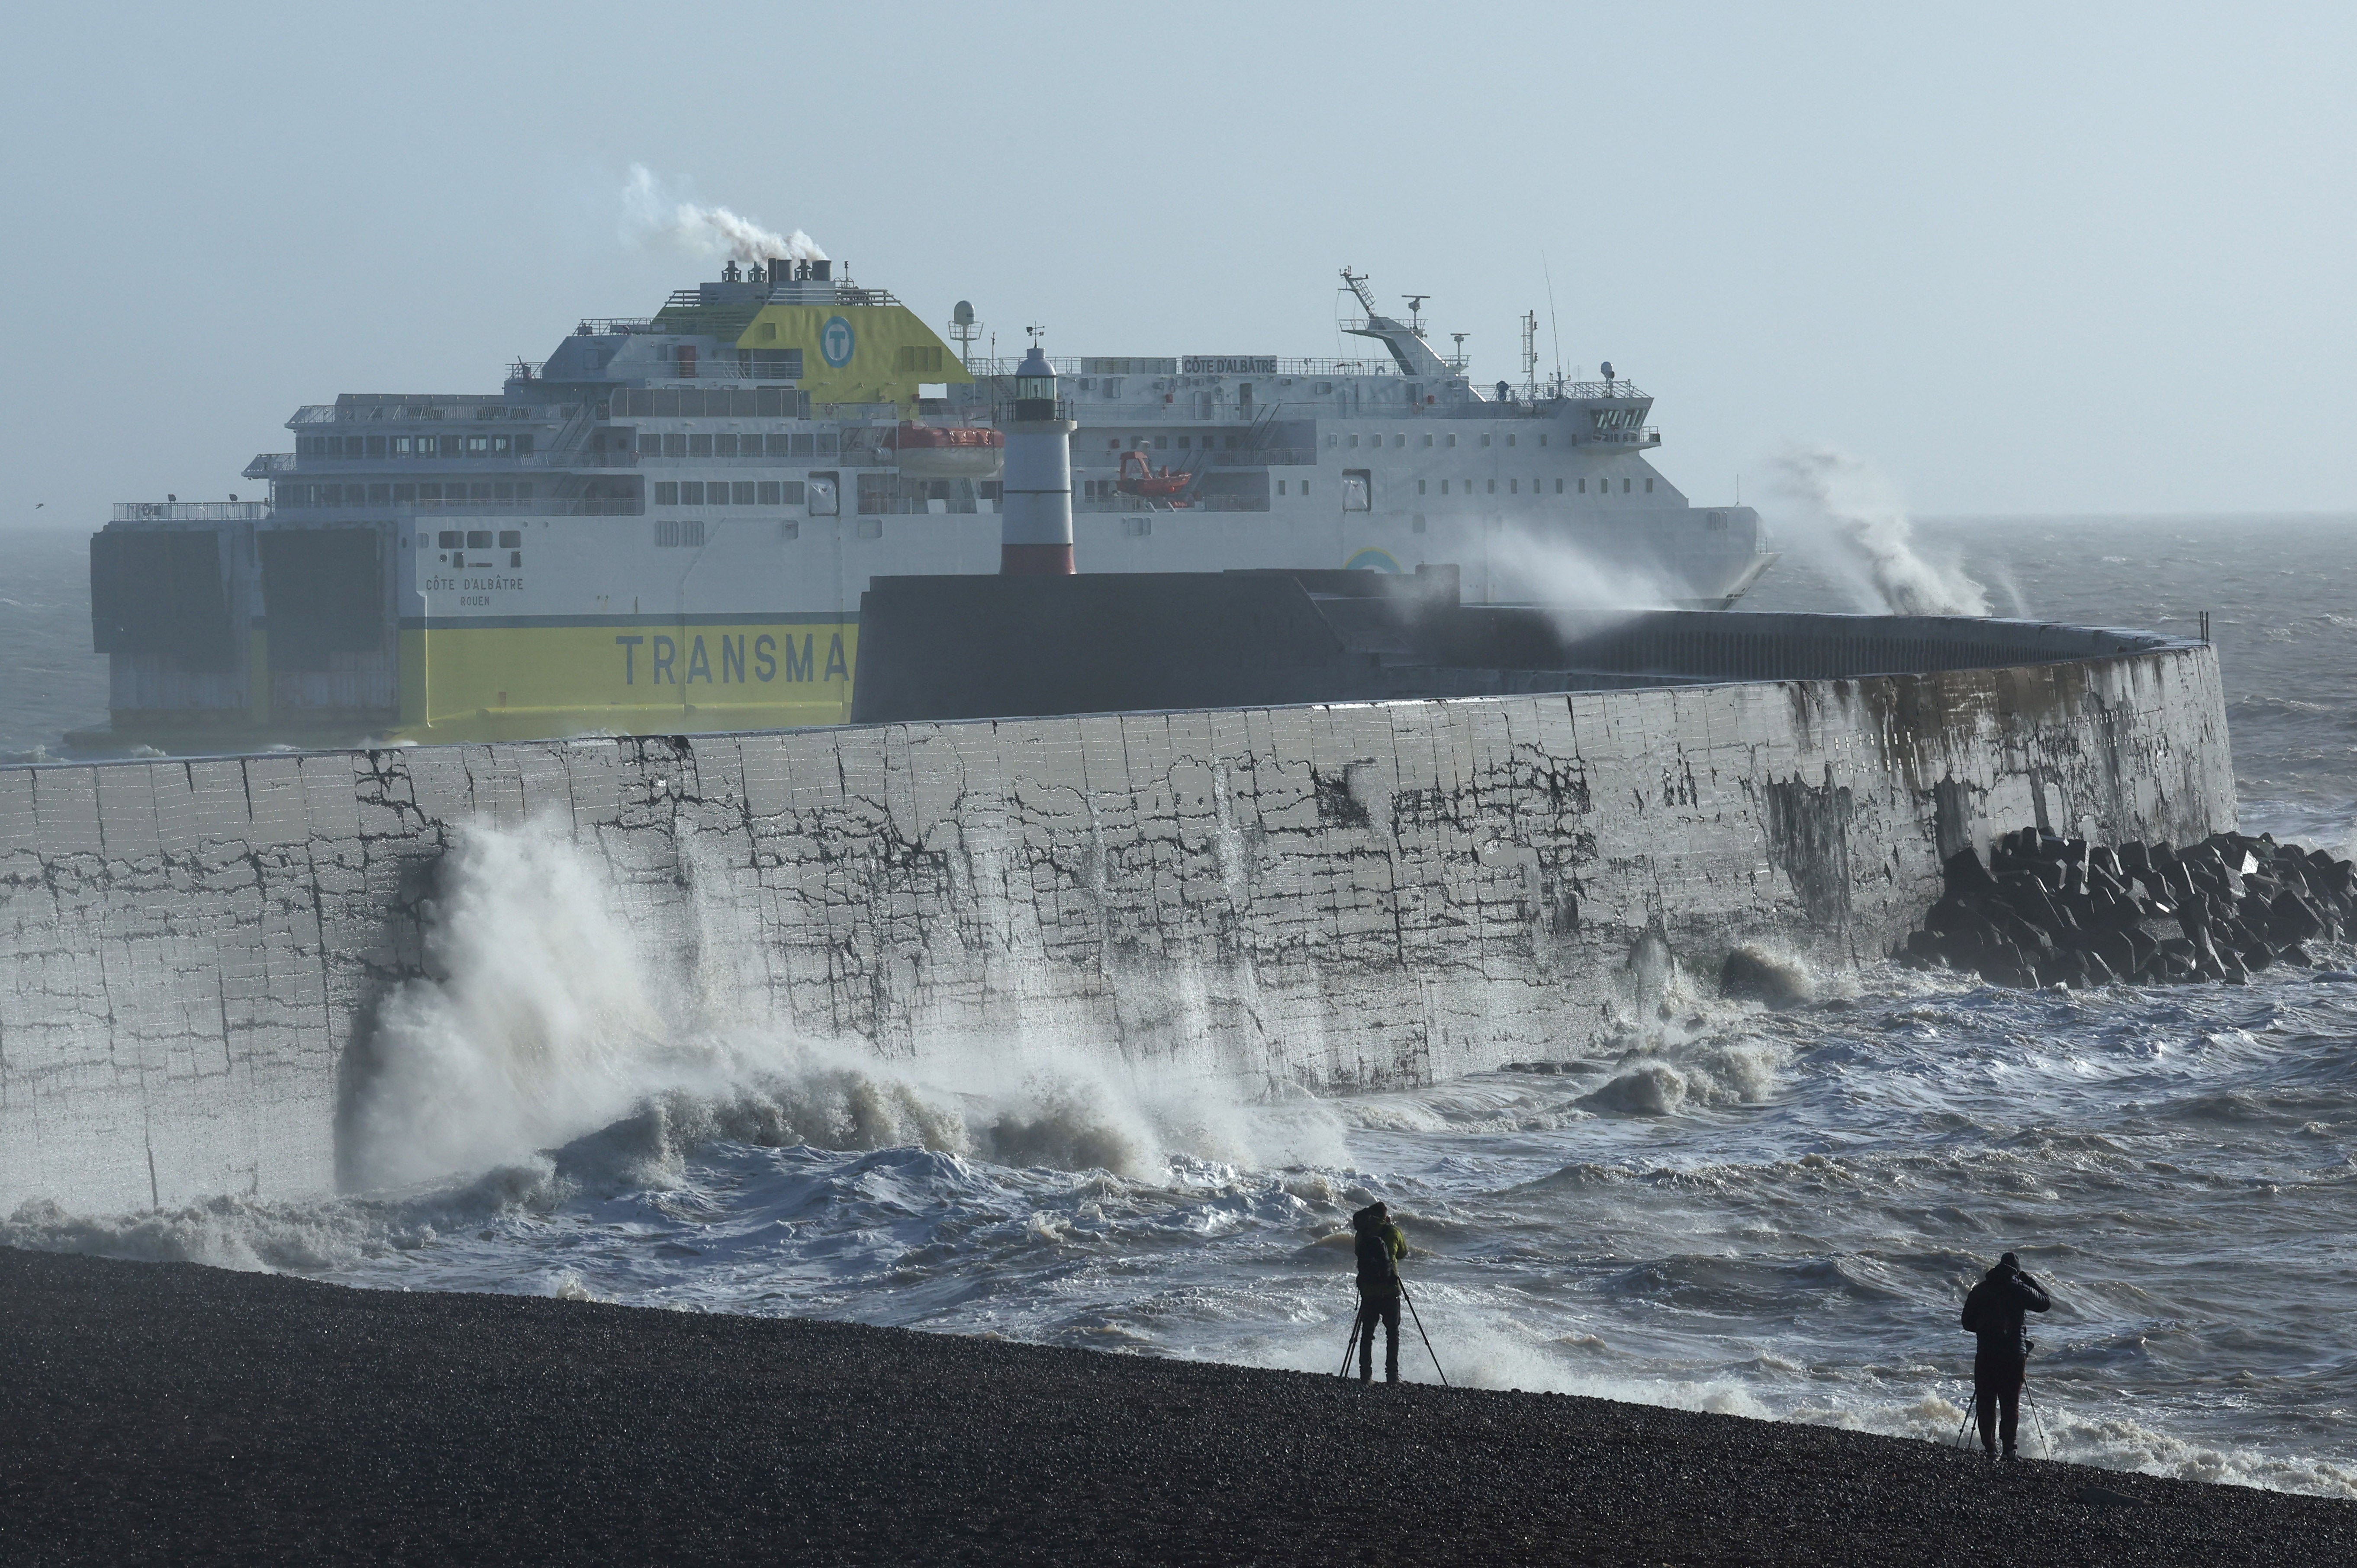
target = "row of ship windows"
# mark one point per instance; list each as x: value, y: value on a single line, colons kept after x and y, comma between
x: 687, y: 532
x: 1333, y: 439
x: 483, y: 492
x: 721, y: 492
x: 793, y: 492
x: 351, y: 446
x: 670, y: 534
x: 459, y: 541
x: 725, y: 445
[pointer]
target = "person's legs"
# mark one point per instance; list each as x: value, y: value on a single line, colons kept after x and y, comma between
x: 1985, y: 1405
x: 1369, y: 1311
x: 1390, y: 1339
x: 2010, y: 1403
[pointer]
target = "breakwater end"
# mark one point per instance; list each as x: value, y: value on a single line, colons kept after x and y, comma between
x: 174, y: 1413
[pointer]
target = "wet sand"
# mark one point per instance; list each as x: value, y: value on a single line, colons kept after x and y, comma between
x: 170, y: 1412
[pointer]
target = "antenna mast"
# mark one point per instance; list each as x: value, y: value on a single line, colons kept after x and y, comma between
x: 1531, y: 353
x: 964, y: 330
x: 1555, y: 327
x: 1357, y: 283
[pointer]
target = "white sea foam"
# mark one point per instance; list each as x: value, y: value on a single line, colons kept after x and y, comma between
x: 543, y: 1021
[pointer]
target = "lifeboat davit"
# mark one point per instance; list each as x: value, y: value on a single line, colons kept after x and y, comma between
x: 950, y: 452
x: 1160, y: 483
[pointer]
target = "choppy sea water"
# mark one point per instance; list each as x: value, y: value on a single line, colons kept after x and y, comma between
x: 1768, y: 1213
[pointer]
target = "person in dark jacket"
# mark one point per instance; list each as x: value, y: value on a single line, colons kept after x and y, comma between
x: 1381, y: 1245
x: 1993, y: 1312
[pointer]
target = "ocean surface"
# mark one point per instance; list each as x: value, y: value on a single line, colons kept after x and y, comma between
x: 1769, y: 1213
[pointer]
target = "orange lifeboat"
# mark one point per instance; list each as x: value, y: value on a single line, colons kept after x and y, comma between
x: 1158, y: 483
x: 950, y: 451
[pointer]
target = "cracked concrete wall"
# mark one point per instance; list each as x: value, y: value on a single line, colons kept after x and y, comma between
x: 1350, y: 895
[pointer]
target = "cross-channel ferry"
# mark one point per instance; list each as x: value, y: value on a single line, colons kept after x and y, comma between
x: 667, y: 525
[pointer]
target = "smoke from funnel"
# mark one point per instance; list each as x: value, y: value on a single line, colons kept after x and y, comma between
x: 650, y: 212
x: 1849, y: 518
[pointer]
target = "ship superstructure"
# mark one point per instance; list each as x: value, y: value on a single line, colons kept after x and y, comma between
x: 668, y: 524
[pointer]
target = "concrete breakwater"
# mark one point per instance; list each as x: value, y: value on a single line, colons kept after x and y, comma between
x: 1336, y: 896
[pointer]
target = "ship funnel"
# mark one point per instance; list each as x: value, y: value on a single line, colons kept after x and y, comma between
x: 821, y: 271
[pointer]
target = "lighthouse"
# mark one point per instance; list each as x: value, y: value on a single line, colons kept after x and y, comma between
x: 1035, y: 536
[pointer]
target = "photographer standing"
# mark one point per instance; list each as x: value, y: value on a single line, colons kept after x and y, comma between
x: 1994, y: 1311
x: 1380, y: 1245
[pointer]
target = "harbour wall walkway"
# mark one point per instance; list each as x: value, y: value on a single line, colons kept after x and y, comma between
x: 1333, y: 895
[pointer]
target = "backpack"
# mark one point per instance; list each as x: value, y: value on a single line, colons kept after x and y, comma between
x: 1378, y: 1272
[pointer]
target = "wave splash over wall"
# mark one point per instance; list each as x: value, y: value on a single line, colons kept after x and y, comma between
x: 543, y: 1021
x: 1848, y: 517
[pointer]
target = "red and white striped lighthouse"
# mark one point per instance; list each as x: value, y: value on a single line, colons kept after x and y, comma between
x: 1035, y: 503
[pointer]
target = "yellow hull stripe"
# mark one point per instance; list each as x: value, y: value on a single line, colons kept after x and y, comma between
x: 520, y: 682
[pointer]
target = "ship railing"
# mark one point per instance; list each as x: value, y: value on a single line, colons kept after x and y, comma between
x: 1336, y: 368
x: 1001, y: 412
x: 658, y: 467
x: 794, y: 291
x: 191, y: 511
x: 265, y: 464
x: 1264, y: 365
x: 461, y: 405
x: 374, y: 511
x: 1293, y: 369
x: 1651, y: 436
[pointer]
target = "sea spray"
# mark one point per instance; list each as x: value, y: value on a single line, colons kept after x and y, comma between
x: 1849, y: 519
x: 532, y: 1025
x: 1581, y: 591
x: 548, y: 1020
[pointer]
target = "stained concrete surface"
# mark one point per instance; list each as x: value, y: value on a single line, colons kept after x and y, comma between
x: 1349, y: 895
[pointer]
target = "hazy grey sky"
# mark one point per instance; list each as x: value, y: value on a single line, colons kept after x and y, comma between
x: 2022, y: 259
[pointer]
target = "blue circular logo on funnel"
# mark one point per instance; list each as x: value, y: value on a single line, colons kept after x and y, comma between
x: 1371, y: 561
x: 836, y: 341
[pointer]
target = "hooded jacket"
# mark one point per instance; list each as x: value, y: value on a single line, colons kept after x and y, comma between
x: 1995, y: 1307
